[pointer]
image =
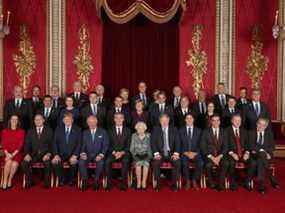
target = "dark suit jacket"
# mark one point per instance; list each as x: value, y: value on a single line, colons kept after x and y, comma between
x: 217, y: 103
x: 192, y: 145
x: 110, y: 117
x: 83, y: 99
x: 87, y: 111
x: 240, y: 105
x: 268, y: 144
x: 60, y: 103
x: 251, y: 117
x: 155, y: 113
x: 157, y: 141
x: 119, y: 143
x: 199, y: 117
x: 51, y: 120
x: 171, y: 102
x: 63, y: 148
x: 98, y: 146
x: 106, y: 103
x: 137, y: 97
x: 230, y: 138
x: 24, y: 112
x: 35, y: 106
x: 179, y: 118
x: 35, y: 146
x: 208, y: 146
x: 227, y: 117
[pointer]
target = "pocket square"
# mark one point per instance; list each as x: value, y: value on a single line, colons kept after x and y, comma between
x: 100, y: 136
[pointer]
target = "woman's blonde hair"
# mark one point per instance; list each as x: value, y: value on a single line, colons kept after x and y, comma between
x: 140, y: 124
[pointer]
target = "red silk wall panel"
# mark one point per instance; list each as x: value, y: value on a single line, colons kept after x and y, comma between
x: 249, y: 13
x: 78, y: 13
x: 32, y: 13
x: 198, y: 12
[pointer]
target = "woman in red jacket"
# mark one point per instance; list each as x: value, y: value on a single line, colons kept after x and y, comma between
x: 12, y: 142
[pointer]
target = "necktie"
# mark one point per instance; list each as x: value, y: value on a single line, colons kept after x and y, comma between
x: 94, y: 109
x: 46, y: 112
x: 165, y: 144
x: 67, y: 133
x: 144, y: 99
x: 55, y: 102
x: 18, y: 103
x: 256, y: 108
x: 260, y: 139
x: 223, y: 101
x: 93, y: 135
x: 119, y: 132
x: 161, y: 108
x: 238, y: 145
x: 216, y: 134
x: 189, y: 133
x: 100, y: 100
x: 39, y: 132
x: 176, y: 101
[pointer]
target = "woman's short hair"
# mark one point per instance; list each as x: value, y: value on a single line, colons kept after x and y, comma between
x: 9, y: 122
x: 140, y: 124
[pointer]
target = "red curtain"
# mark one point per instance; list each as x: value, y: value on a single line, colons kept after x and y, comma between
x: 140, y: 50
x: 78, y: 13
x: 32, y: 13
x: 198, y: 12
x: 248, y: 14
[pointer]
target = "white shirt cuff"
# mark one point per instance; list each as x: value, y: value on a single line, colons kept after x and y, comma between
x: 156, y: 153
x: 209, y: 156
x: 176, y: 153
x: 231, y: 152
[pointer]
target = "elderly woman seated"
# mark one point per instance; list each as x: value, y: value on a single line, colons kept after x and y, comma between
x: 141, y: 152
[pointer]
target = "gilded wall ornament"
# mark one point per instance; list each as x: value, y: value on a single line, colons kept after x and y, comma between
x: 25, y: 60
x: 197, y: 60
x: 83, y: 59
x: 257, y: 63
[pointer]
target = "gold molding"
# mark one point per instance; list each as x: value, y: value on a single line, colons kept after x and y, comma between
x: 1, y: 72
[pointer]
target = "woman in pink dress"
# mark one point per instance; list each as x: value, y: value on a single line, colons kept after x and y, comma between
x: 12, y: 142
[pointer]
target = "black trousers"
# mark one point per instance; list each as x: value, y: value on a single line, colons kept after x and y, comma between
x: 84, y: 170
x: 175, y: 173
x: 232, y: 169
x: 198, y: 162
x: 223, y: 170
x: 58, y: 169
x: 125, y: 160
x: 28, y: 171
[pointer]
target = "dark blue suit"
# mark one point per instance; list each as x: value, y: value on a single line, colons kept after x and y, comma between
x: 65, y: 147
x: 191, y: 144
x: 93, y: 147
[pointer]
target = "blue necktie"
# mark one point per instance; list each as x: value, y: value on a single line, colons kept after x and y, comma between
x: 67, y: 133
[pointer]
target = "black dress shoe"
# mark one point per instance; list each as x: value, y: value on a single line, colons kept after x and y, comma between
x: 212, y: 185
x: 233, y: 187
x: 71, y: 183
x: 174, y: 188
x: 195, y: 185
x: 108, y: 188
x: 261, y: 190
x: 276, y: 186
x: 144, y: 189
x: 220, y: 188
x: 248, y: 186
x: 187, y: 185
x: 61, y: 184
x: 84, y: 185
x: 123, y: 187
x: 96, y: 186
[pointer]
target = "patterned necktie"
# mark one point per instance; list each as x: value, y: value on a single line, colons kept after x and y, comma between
x: 67, y: 133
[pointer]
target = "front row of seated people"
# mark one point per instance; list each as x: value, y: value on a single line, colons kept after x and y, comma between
x: 214, y: 150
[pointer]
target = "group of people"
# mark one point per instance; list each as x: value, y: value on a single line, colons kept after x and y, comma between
x: 213, y: 134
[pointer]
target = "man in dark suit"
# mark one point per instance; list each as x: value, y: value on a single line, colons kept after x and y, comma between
x: 49, y: 112
x: 102, y: 100
x: 228, y: 112
x: 79, y: 98
x: 37, y: 148
x: 159, y: 108
x: 190, y: 137
x: 214, y: 149
x: 118, y: 108
x: 200, y: 109
x: 36, y: 101
x: 94, y: 148
x: 176, y: 98
x: 261, y: 145
x: 255, y: 110
x: 238, y: 150
x: 141, y: 95
x: 58, y: 102
x: 181, y: 111
x: 20, y: 106
x: 120, y: 139
x: 243, y: 100
x: 93, y: 108
x: 220, y: 100
x: 165, y: 146
x: 66, y: 148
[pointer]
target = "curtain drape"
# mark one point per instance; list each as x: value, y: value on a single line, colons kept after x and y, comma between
x: 140, y: 50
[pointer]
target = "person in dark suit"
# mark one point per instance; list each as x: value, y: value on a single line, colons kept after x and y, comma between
x: 49, y: 112
x: 95, y: 143
x: 58, y: 102
x: 199, y: 108
x: 141, y: 96
x: 261, y: 145
x: 238, y: 149
x: 176, y: 98
x: 214, y: 149
x: 165, y: 145
x: 220, y: 100
x: 139, y: 114
x: 154, y: 99
x: 118, y: 108
x: 181, y: 111
x: 79, y: 98
x: 37, y: 148
x: 102, y: 100
x: 159, y: 108
x: 93, y: 108
x: 190, y: 137
x: 19, y: 106
x: 255, y: 110
x: 230, y: 110
x: 36, y: 101
x: 119, y: 150
x: 69, y: 108
x: 243, y: 100
x: 66, y: 148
